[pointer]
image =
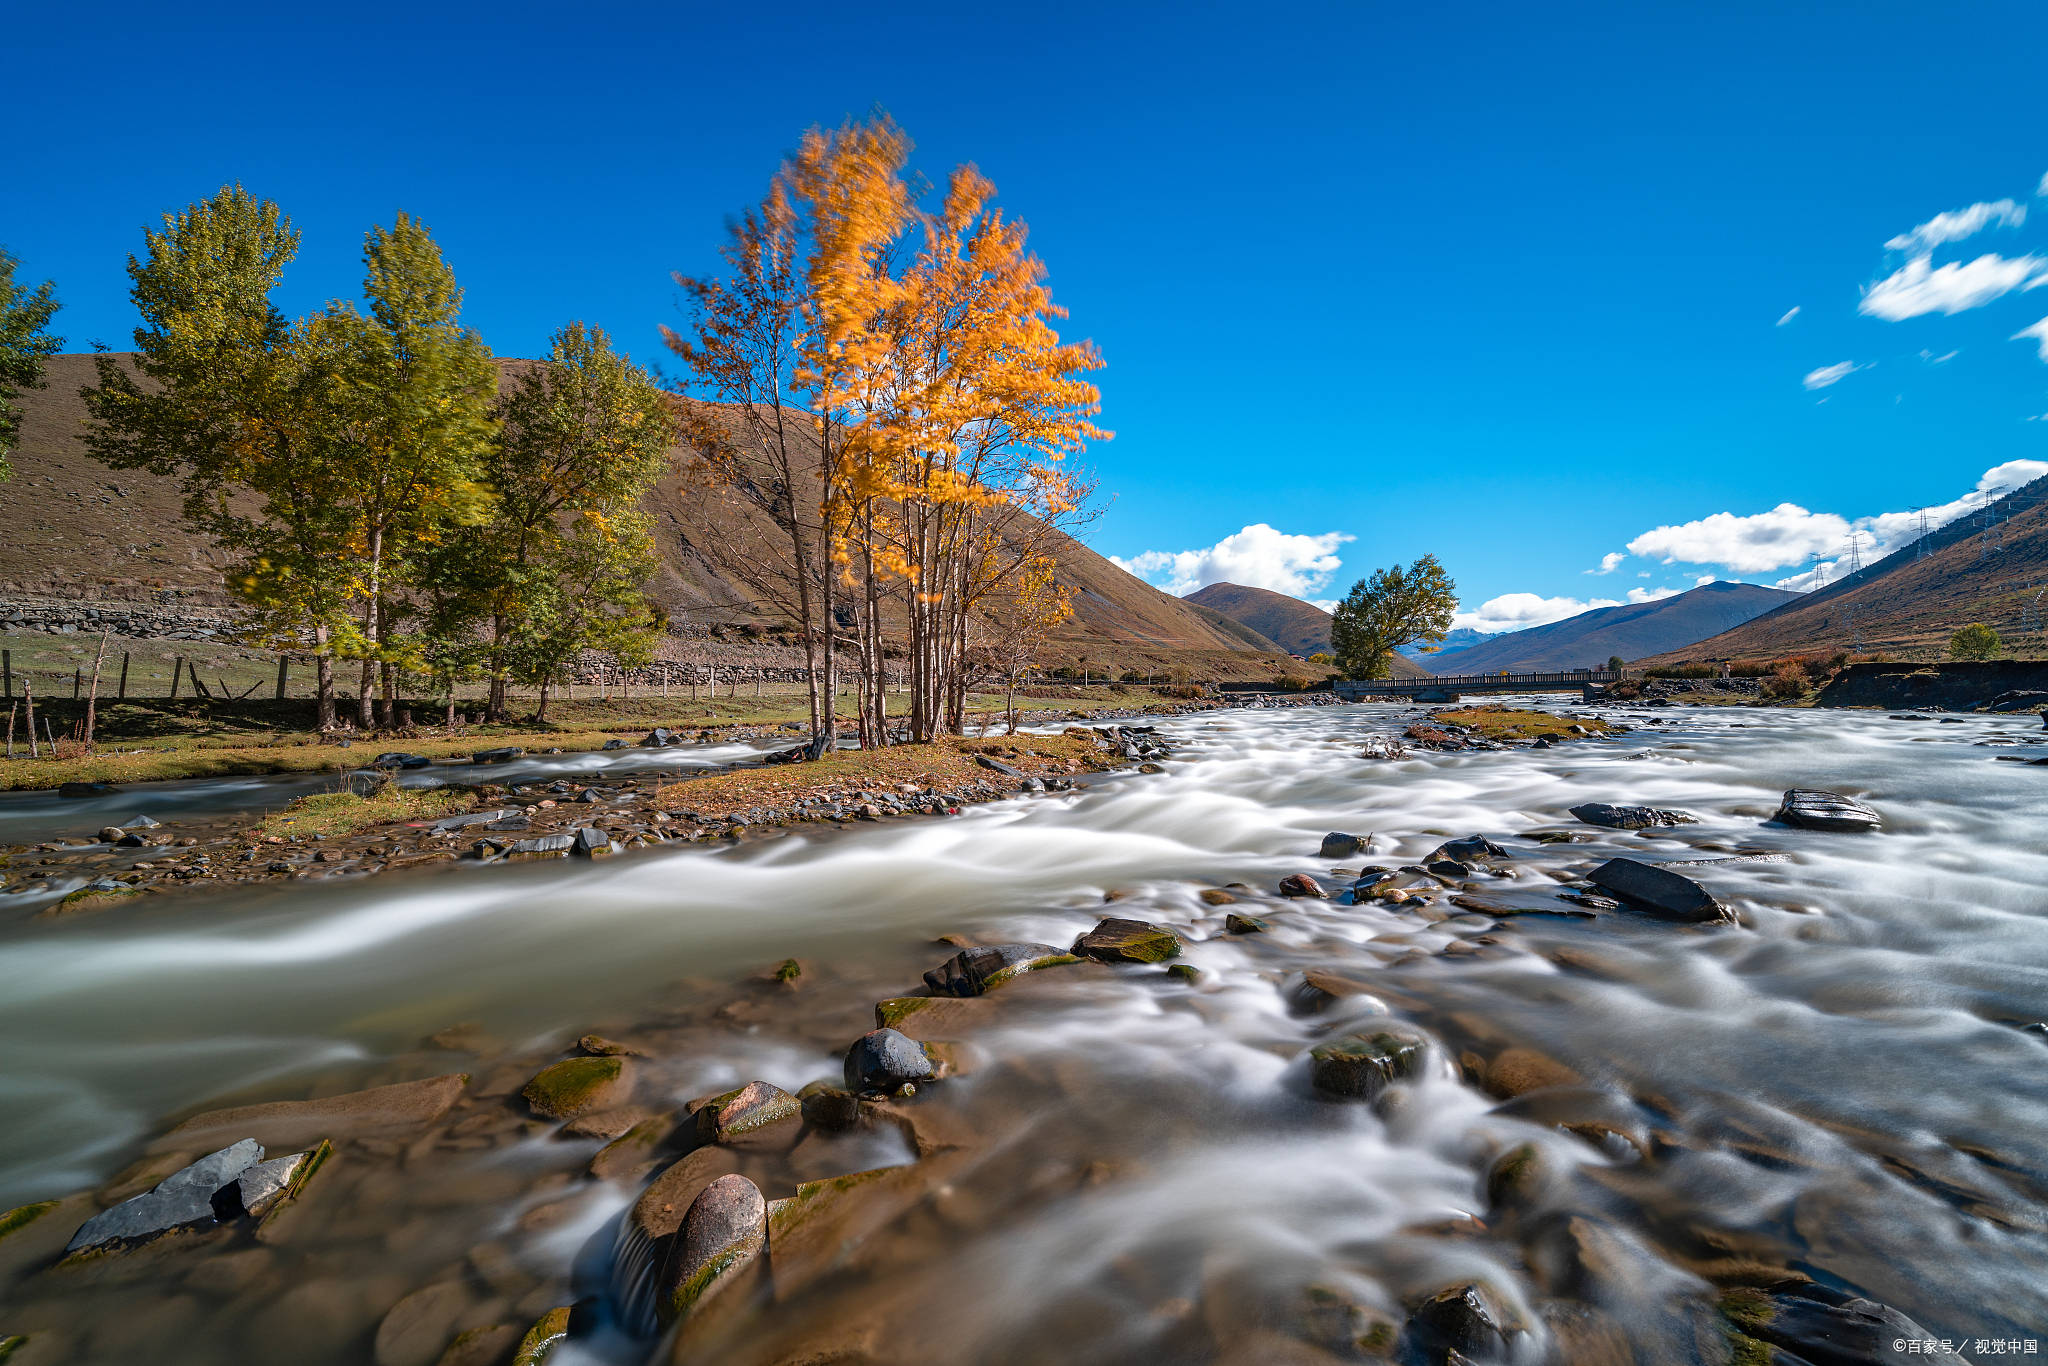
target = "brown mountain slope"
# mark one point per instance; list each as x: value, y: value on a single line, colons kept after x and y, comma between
x: 1299, y: 627
x: 75, y: 529
x: 1990, y: 567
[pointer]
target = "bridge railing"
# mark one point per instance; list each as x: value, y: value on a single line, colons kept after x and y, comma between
x: 1501, y: 682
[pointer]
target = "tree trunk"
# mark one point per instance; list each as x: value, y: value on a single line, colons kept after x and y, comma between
x: 92, y: 698
x: 323, y: 681
x: 28, y: 692
x: 540, y: 713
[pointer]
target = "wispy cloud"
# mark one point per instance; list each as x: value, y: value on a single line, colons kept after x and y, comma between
x: 1919, y: 287
x: 1941, y: 359
x: 1257, y: 557
x: 1790, y: 314
x: 1832, y: 374
x: 2042, y: 191
x: 1609, y: 562
x: 2038, y: 332
x: 1958, y: 224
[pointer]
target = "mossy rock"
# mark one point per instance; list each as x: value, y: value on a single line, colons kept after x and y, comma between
x: 1244, y: 924
x: 1516, y: 1177
x: 576, y: 1086
x: 1361, y: 1066
x: 9, y: 1346
x: 19, y: 1218
x: 788, y: 971
x: 92, y: 899
x: 893, y: 1012
x: 549, y: 1331
x: 753, y: 1111
x: 1117, y: 940
x: 1184, y: 972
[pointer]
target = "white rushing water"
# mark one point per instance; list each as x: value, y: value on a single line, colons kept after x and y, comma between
x: 1844, y: 1075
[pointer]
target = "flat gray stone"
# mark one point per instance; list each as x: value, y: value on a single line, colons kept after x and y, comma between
x: 1814, y: 810
x: 1659, y: 891
x: 261, y: 1186
x: 884, y: 1059
x: 180, y: 1200
x: 1629, y: 817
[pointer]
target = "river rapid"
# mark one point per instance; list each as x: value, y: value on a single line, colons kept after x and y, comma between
x: 1841, y: 1086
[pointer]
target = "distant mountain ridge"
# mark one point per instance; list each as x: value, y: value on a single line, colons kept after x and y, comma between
x: 1631, y: 630
x: 1298, y: 627
x: 1464, y: 638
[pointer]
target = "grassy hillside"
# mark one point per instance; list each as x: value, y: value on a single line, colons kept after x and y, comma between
x: 81, y: 531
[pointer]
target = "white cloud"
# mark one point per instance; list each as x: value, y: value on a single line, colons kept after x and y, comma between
x: 1652, y: 594
x: 1942, y: 359
x: 2042, y: 192
x: 1790, y: 314
x: 1783, y: 536
x: 1961, y: 223
x: 1519, y: 611
x: 1257, y: 557
x: 1832, y: 374
x: 1789, y: 534
x: 2039, y: 331
x: 1916, y: 287
x: 1609, y: 562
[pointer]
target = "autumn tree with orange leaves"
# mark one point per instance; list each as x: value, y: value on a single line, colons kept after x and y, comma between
x: 886, y: 385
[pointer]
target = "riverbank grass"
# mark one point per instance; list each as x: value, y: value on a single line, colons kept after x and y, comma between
x: 333, y: 815
x: 1511, y: 723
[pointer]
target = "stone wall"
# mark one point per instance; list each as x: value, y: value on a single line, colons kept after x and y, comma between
x: 144, y: 621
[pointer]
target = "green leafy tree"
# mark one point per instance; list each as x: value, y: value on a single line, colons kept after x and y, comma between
x: 420, y: 389
x: 245, y: 409
x: 562, y: 564
x: 1392, y: 608
x: 25, y: 343
x: 1975, y: 641
x: 1616, y: 664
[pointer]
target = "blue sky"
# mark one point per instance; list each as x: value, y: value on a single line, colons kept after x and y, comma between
x: 1503, y: 282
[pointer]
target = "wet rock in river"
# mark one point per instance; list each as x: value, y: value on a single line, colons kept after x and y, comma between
x: 1814, y: 810
x: 1808, y: 1322
x: 1471, y: 849
x: 631, y: 1151
x: 1517, y: 1071
x: 1659, y: 891
x: 930, y: 1017
x: 592, y: 843
x: 883, y: 1060
x: 181, y: 1200
x: 503, y: 755
x: 1338, y: 844
x: 549, y: 1331
x: 76, y: 791
x: 1215, y: 896
x: 266, y: 1185
x: 1116, y: 940
x: 399, y: 759
x: 1363, y: 1065
x: 724, y: 1230
x: 975, y: 971
x: 648, y: 1233
x: 1301, y: 885
x: 1630, y: 817
x: 576, y: 1086
x: 658, y: 738
x: 829, y: 1108
x: 1465, y: 1323
x: 755, y: 1114
x: 1243, y: 924
x: 298, y: 1123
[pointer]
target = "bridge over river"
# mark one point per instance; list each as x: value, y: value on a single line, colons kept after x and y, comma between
x: 1450, y: 687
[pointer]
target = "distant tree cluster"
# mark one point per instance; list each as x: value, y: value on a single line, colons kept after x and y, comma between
x: 1975, y: 641
x: 889, y: 391
x: 379, y: 497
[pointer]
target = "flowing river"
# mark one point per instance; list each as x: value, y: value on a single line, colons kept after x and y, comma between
x: 1841, y: 1086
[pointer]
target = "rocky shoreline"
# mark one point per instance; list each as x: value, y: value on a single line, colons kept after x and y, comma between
x: 558, y: 819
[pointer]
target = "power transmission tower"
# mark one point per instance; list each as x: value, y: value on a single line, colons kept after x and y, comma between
x: 1855, y: 552
x: 1920, y: 541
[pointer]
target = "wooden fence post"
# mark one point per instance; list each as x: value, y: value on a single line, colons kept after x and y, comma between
x: 77, y: 684
x: 122, y: 695
x: 7, y: 671
x: 198, y: 685
x: 283, y: 661
x: 28, y: 690
x: 177, y: 676
x: 12, y: 706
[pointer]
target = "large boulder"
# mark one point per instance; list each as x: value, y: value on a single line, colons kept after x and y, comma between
x: 1361, y: 1066
x: 883, y: 1059
x: 1116, y: 940
x: 976, y: 971
x: 181, y: 1200
x: 648, y: 1233
x: 1338, y: 844
x: 1659, y: 891
x: 1630, y: 817
x: 1814, y: 810
x: 725, y: 1229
